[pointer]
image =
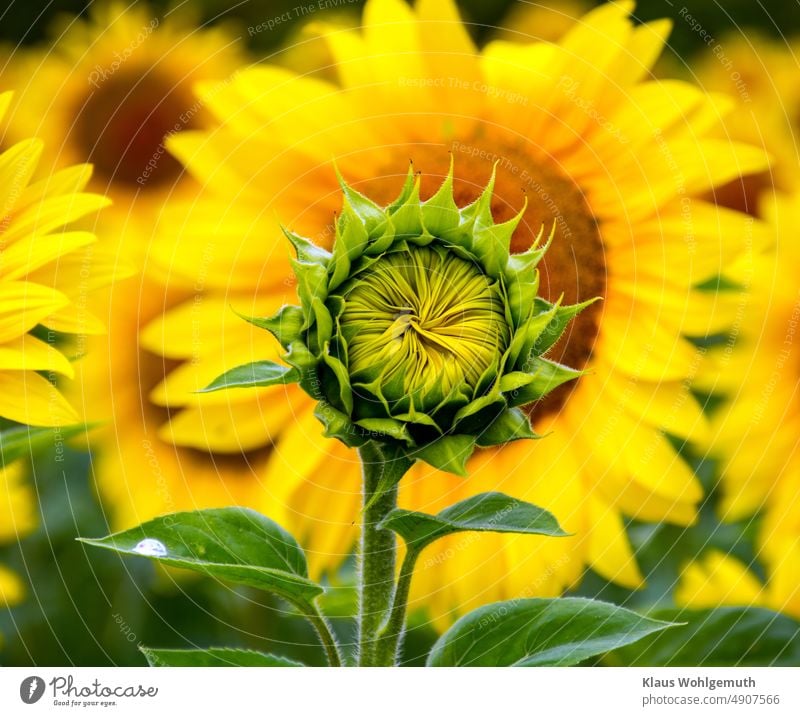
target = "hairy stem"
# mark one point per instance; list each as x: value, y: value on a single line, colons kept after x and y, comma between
x: 391, y: 634
x: 325, y: 633
x: 382, y: 469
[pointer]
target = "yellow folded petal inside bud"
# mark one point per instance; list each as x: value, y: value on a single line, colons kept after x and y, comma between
x: 424, y: 323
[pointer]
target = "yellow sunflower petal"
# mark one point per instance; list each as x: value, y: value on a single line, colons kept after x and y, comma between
x: 24, y: 304
x: 29, y: 353
x: 718, y: 579
x: 28, y: 398
x: 240, y: 428
x: 17, y: 165
x: 35, y: 251
x: 54, y: 212
x: 609, y: 551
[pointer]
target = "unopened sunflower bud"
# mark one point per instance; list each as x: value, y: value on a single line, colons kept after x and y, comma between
x: 420, y: 328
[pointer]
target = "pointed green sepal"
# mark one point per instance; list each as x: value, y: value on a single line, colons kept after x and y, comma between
x: 492, y: 243
x: 344, y: 393
x: 479, y: 214
x: 527, y: 261
x: 407, y: 217
x: 307, y: 251
x: 298, y: 356
x: 449, y: 453
x: 547, y: 376
x: 286, y: 325
x: 557, y: 325
x: 312, y: 282
x: 368, y: 211
x: 510, y: 425
x: 407, y: 192
x: 337, y: 425
x: 440, y: 214
x: 385, y: 427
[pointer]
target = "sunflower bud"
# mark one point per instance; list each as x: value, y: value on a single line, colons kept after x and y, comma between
x: 420, y: 328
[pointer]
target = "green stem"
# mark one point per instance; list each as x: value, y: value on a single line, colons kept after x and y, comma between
x: 325, y: 633
x: 390, y: 636
x: 383, y: 467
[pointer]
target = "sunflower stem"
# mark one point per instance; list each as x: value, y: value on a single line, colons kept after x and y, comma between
x: 390, y: 637
x: 325, y: 633
x: 382, y: 467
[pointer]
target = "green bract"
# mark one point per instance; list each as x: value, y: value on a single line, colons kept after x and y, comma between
x: 420, y: 329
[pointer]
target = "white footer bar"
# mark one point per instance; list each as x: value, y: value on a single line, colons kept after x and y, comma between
x: 400, y: 692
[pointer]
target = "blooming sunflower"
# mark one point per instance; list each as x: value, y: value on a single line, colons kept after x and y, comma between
x: 107, y: 90
x: 581, y: 131
x: 756, y: 431
x: 760, y: 74
x: 47, y: 272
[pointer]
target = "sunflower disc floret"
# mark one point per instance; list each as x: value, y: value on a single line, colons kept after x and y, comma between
x: 420, y: 328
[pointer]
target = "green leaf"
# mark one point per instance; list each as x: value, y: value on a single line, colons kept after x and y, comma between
x: 487, y: 512
x: 261, y: 374
x: 724, y: 636
x: 214, y: 656
x: 449, y: 453
x: 24, y: 440
x: 231, y: 543
x: 540, y: 632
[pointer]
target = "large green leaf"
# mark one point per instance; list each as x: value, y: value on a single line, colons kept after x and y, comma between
x: 260, y: 374
x: 232, y: 543
x: 215, y: 656
x: 724, y: 636
x: 540, y: 632
x: 487, y: 512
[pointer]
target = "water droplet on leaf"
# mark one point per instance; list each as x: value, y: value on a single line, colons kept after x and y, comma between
x: 151, y: 548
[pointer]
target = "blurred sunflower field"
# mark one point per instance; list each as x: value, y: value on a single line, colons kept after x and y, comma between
x: 154, y: 154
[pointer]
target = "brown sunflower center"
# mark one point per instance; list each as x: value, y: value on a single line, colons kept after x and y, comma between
x: 120, y: 128
x: 574, y: 265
